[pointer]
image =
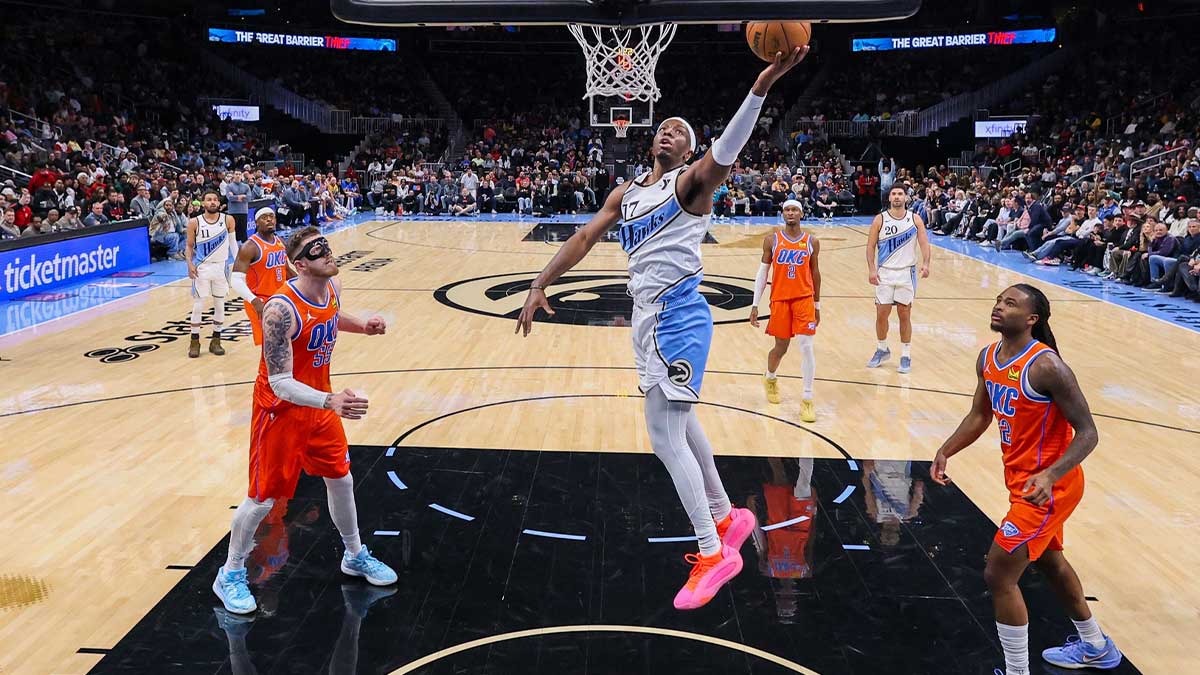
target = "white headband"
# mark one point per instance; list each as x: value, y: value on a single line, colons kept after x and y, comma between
x: 262, y: 212
x: 792, y: 202
x: 691, y: 134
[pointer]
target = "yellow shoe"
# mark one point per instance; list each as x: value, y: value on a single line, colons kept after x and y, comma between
x: 807, y: 412
x: 772, y: 387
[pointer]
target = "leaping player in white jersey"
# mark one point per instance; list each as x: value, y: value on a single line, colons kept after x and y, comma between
x: 211, y: 250
x: 892, y: 267
x: 663, y: 216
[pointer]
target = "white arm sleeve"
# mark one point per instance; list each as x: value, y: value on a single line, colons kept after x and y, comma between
x: 233, y: 248
x: 238, y: 281
x: 760, y: 281
x: 726, y: 148
x: 287, y: 388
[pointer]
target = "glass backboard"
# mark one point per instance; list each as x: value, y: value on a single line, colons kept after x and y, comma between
x: 612, y: 12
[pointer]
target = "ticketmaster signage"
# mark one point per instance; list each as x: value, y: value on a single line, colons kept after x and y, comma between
x: 250, y: 37
x: 38, y: 268
x: 1006, y: 37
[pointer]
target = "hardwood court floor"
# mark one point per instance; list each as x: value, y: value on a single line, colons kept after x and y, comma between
x: 111, y: 472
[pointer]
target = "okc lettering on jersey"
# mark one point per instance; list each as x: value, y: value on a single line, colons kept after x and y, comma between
x: 276, y: 259
x: 1003, y: 398
x: 321, y: 341
x: 791, y: 256
x: 634, y: 233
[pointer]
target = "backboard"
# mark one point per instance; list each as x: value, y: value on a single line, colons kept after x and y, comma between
x: 612, y: 12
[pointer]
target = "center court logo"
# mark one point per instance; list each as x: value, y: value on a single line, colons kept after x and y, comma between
x: 586, y: 298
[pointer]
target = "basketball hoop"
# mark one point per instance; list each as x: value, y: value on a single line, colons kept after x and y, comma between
x: 621, y: 127
x: 621, y: 61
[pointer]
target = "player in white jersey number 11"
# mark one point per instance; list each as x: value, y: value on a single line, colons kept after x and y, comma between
x: 663, y: 216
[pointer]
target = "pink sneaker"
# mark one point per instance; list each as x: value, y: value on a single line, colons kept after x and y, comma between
x: 708, y: 575
x: 737, y: 528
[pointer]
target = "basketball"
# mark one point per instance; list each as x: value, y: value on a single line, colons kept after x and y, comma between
x: 768, y: 37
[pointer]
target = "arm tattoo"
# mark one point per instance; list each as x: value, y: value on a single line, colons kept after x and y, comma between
x: 278, y: 324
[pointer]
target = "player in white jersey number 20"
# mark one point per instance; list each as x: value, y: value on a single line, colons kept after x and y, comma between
x: 663, y: 216
x: 892, y: 269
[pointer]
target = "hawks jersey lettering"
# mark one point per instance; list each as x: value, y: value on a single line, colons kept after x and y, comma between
x: 661, y: 239
x: 791, y: 273
x: 897, y: 248
x: 212, y: 242
x: 312, y: 343
x: 268, y: 272
x: 1033, y: 431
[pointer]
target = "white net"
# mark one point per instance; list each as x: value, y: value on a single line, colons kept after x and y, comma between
x: 621, y: 61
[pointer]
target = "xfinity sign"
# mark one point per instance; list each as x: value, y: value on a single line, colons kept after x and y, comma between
x: 39, y: 268
x: 999, y: 128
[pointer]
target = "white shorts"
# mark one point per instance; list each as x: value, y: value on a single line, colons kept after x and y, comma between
x: 896, y: 286
x: 670, y: 345
x: 210, y: 281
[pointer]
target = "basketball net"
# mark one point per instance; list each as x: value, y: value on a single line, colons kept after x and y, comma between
x: 622, y: 127
x: 621, y: 61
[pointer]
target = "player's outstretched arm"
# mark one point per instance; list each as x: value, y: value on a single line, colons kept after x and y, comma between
x: 872, y: 245
x: 1052, y: 377
x: 241, y: 264
x: 569, y: 256
x: 352, y: 324
x: 969, y: 430
x: 760, y: 279
x: 923, y: 242
x: 189, y: 251
x: 699, y: 182
x: 279, y: 325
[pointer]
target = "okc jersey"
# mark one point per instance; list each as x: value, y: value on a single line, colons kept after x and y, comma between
x: 312, y: 344
x: 1033, y: 432
x: 269, y: 269
x: 212, y: 242
x: 791, y: 274
x: 661, y: 239
x: 897, y: 247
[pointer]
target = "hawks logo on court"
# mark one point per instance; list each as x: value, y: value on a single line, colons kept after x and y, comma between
x: 587, y: 298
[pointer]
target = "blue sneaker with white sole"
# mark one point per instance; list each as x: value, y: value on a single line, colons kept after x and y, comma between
x: 369, y: 567
x: 880, y: 356
x: 905, y: 364
x: 234, y: 591
x: 1079, y: 654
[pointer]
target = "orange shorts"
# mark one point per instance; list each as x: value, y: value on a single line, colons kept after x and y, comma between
x: 787, y: 547
x: 1040, y: 528
x: 790, y: 318
x: 287, y: 438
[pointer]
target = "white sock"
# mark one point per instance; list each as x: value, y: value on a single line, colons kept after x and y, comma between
x: 808, y: 362
x: 1015, y: 641
x: 1089, y: 632
x: 241, y: 534
x: 882, y: 345
x: 770, y: 375
x: 906, y: 349
x: 343, y: 512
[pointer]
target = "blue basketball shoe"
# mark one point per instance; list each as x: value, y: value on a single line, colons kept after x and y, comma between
x: 368, y: 566
x: 1079, y: 654
x: 234, y: 591
x: 880, y: 356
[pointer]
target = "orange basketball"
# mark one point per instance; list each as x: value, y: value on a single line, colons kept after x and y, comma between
x: 767, y: 37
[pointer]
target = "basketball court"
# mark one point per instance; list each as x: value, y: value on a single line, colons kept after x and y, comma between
x: 510, y: 481
x: 511, y: 484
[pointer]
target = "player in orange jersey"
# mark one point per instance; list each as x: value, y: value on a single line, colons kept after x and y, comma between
x: 790, y: 259
x: 260, y: 269
x: 295, y: 423
x: 1046, y: 430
